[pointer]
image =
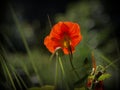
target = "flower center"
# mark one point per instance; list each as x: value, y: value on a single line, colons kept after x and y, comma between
x: 66, y: 42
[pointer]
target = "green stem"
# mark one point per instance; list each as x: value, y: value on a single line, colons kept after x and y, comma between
x: 61, y: 65
x: 74, y: 68
x: 18, y: 78
x: 56, y: 70
x: 9, y: 75
x: 62, y: 69
x: 76, y: 73
x: 71, y: 58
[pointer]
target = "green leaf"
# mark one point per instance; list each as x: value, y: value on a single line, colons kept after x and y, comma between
x: 104, y: 76
x: 46, y: 87
x: 80, y: 88
x: 91, y: 77
x: 35, y: 88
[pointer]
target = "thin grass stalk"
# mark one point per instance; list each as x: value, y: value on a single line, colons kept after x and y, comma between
x: 25, y: 69
x: 62, y: 69
x: 61, y: 65
x: 18, y: 76
x: 9, y: 75
x: 56, y: 70
x: 102, y: 56
x: 49, y: 21
x: 4, y: 71
x: 106, y: 59
x: 112, y: 63
x: 26, y: 45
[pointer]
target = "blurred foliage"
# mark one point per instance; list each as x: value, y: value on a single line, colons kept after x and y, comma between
x: 43, y: 88
x: 95, y: 25
x: 98, y: 34
x: 33, y: 67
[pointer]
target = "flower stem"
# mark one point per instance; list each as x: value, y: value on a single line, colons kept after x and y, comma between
x: 59, y: 61
x: 71, y: 58
x: 62, y: 68
x: 56, y: 70
x: 74, y: 69
x: 61, y: 65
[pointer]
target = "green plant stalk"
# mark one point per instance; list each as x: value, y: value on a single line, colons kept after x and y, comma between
x: 26, y: 45
x: 9, y: 75
x: 61, y: 65
x: 16, y: 78
x: 16, y: 74
x: 25, y: 69
x: 112, y: 63
x: 56, y: 70
x: 71, y: 58
x: 62, y: 69
x: 22, y: 81
x: 13, y: 71
x: 74, y: 69
x: 102, y: 56
x: 4, y: 71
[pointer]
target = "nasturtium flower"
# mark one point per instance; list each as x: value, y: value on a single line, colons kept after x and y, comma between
x: 65, y: 35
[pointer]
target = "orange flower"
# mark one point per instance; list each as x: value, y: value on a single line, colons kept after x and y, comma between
x: 65, y: 35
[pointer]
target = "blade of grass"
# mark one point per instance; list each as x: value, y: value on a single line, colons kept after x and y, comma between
x: 56, y: 70
x: 62, y: 69
x: 18, y: 76
x: 25, y: 44
x: 112, y: 63
x: 106, y: 59
x: 49, y: 21
x: 102, y: 56
x: 51, y: 57
x: 4, y: 71
x: 22, y: 80
x: 25, y: 69
x: 9, y: 75
x: 61, y: 65
x: 7, y: 72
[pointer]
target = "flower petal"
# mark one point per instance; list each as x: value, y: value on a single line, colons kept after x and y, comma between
x: 56, y: 30
x: 75, y: 40
x: 64, y: 28
x: 74, y: 27
x: 67, y: 51
x: 51, y: 45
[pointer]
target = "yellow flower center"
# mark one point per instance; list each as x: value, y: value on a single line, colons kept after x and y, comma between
x: 66, y: 42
